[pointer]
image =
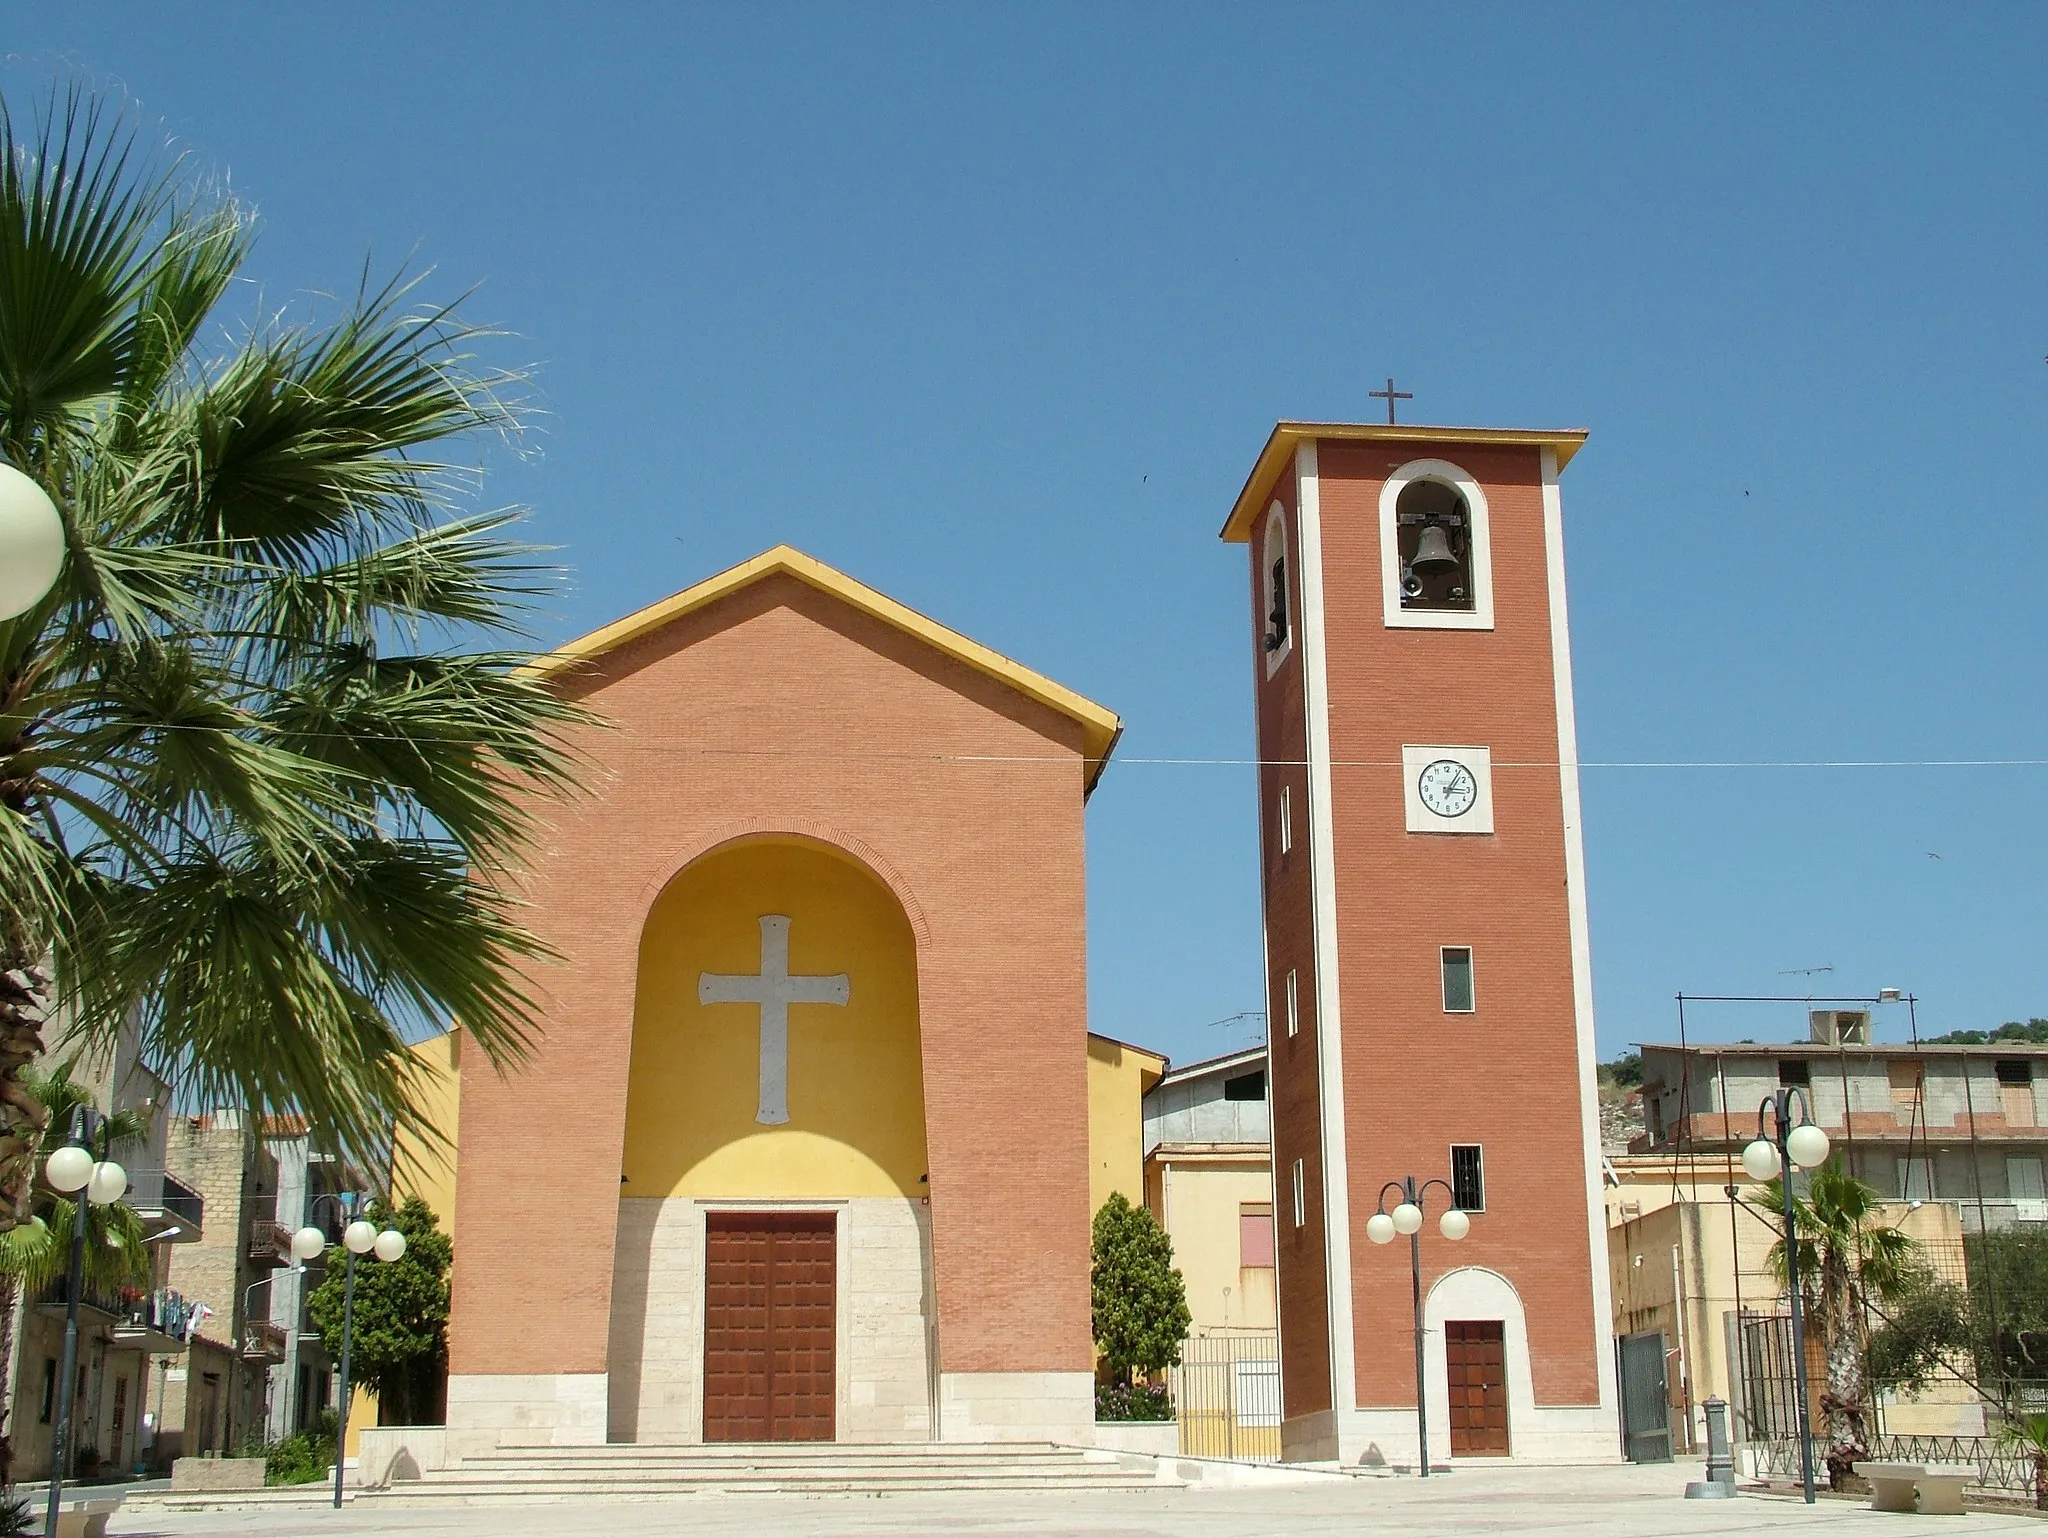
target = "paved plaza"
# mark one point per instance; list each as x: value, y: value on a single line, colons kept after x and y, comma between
x: 1627, y: 1502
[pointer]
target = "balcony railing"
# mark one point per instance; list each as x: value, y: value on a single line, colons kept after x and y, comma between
x: 263, y: 1341
x: 56, y: 1297
x: 165, y: 1312
x: 270, y: 1242
x: 157, y: 1194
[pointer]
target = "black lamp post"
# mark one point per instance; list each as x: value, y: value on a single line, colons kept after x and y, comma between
x: 74, y: 1171
x: 1790, y: 1142
x: 1406, y: 1218
x: 360, y: 1237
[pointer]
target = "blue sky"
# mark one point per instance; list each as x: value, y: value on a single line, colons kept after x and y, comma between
x: 993, y: 306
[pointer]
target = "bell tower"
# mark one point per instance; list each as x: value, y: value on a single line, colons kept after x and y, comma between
x: 1427, y: 965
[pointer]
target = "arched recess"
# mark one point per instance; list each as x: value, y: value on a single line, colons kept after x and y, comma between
x: 1476, y: 1293
x: 842, y: 1134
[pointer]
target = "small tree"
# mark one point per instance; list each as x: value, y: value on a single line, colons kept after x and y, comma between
x: 1139, y: 1301
x: 400, y: 1339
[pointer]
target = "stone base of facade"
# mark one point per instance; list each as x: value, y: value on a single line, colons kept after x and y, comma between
x: 487, y: 1410
x: 883, y: 1355
x: 1576, y: 1434
x: 1309, y: 1438
x: 1017, y: 1407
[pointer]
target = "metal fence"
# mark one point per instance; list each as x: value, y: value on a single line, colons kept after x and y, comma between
x: 1226, y: 1395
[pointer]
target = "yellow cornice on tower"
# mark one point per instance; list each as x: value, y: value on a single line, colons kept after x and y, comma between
x: 1279, y: 453
x: 1100, y: 727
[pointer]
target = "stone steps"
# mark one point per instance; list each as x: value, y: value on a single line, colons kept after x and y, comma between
x: 783, y: 1468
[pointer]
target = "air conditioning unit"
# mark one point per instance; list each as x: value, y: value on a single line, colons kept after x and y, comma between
x: 1839, y: 1027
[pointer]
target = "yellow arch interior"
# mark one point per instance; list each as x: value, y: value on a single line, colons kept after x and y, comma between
x: 855, y: 1079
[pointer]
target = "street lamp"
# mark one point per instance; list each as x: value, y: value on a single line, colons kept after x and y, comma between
x: 1800, y: 1143
x: 359, y: 1238
x: 31, y: 543
x: 73, y: 1171
x: 1406, y: 1218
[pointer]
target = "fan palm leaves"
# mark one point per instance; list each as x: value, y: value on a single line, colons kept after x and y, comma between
x: 267, y: 752
x: 1849, y: 1260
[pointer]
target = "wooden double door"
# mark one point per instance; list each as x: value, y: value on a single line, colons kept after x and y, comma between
x: 771, y: 1324
x: 1475, y: 1359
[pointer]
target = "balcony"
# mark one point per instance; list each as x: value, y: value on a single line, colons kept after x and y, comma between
x: 159, y: 1322
x: 270, y: 1242
x: 169, y: 1208
x: 263, y: 1341
x: 55, y: 1298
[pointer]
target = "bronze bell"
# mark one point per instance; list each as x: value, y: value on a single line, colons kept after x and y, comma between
x: 1433, y: 550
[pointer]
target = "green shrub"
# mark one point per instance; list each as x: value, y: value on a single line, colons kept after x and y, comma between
x: 17, y: 1517
x: 1133, y: 1402
x: 305, y: 1456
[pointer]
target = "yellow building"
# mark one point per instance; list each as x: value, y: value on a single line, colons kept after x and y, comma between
x: 423, y: 1161
x: 1209, y: 1181
x: 1119, y: 1077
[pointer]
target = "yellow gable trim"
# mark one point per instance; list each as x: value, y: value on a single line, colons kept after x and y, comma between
x: 1279, y: 452
x: 1100, y: 727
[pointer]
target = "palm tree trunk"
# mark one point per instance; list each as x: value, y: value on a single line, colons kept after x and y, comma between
x: 1843, y: 1404
x: 24, y: 1005
x: 10, y: 1302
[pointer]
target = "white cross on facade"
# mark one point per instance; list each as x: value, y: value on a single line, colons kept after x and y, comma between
x: 774, y: 990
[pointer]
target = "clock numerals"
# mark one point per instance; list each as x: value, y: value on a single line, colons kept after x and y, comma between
x: 1447, y: 788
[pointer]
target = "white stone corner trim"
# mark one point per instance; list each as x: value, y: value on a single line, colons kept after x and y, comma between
x: 1323, y: 904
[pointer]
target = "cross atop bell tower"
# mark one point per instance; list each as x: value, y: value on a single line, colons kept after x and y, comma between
x: 1390, y: 395
x: 1428, y: 970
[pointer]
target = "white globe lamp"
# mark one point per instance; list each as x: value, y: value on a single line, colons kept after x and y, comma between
x: 307, y: 1244
x: 107, y: 1184
x: 1454, y: 1224
x: 1408, y: 1218
x: 31, y: 543
x: 68, y: 1169
x: 1379, y: 1228
x: 390, y: 1244
x: 1760, y: 1160
x: 1808, y: 1146
x: 360, y: 1236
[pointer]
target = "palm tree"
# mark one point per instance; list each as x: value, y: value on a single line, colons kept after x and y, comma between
x: 265, y: 761
x: 1847, y: 1263
x: 2026, y: 1433
x: 36, y: 1253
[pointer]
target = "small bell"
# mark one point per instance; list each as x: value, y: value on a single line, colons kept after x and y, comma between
x: 1433, y: 550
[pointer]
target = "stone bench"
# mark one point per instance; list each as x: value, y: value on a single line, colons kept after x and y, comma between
x: 86, y: 1519
x: 1932, y: 1489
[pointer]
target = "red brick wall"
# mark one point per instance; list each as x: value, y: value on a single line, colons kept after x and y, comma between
x: 1416, y: 1079
x: 1301, y: 1253
x: 780, y: 708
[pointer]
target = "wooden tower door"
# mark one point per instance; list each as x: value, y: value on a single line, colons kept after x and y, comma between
x: 1475, y: 1356
x: 771, y: 1289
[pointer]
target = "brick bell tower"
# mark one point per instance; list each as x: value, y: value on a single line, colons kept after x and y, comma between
x: 1428, y: 978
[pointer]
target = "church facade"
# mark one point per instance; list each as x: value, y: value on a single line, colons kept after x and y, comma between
x: 805, y: 1150
x: 1429, y: 980
x: 803, y: 1153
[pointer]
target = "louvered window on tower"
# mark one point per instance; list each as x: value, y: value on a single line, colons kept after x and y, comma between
x: 1468, y: 1177
x: 1434, y: 528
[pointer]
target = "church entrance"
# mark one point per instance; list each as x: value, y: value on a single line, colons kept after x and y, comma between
x: 1475, y: 1354
x: 771, y: 1282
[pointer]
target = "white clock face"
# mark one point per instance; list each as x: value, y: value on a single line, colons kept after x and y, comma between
x: 1447, y: 788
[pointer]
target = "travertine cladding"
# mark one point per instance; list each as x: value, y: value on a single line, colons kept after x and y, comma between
x: 1017, y: 1407
x: 780, y: 709
x: 657, y: 1342
x: 487, y: 1410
